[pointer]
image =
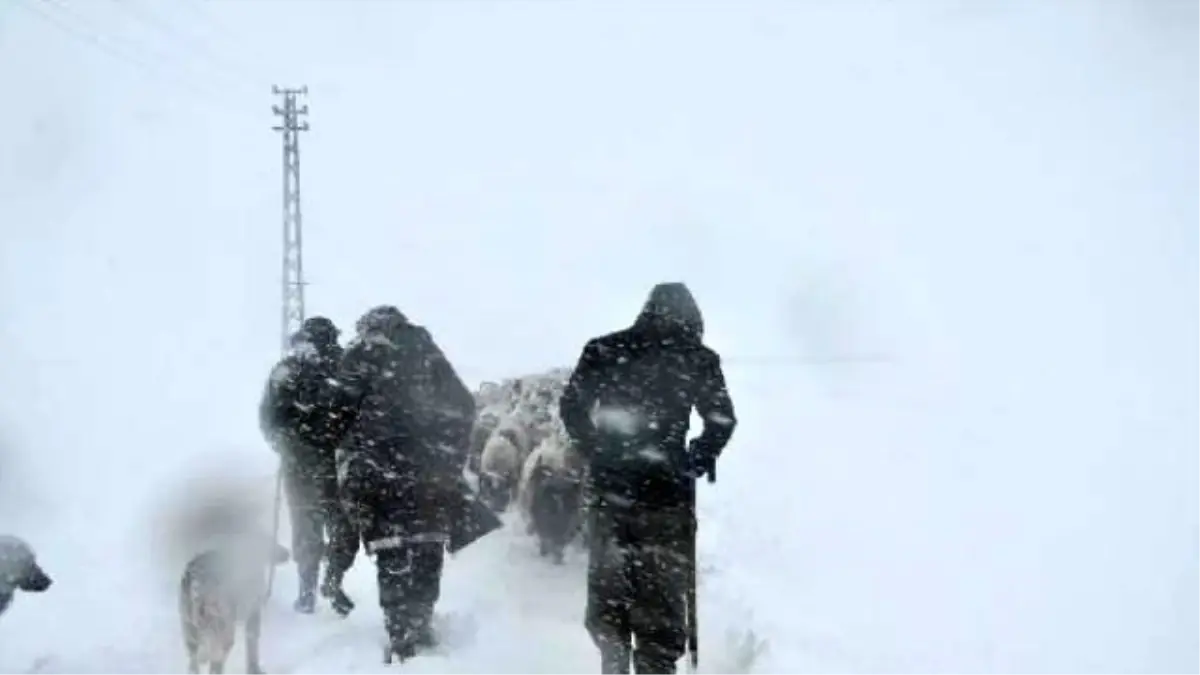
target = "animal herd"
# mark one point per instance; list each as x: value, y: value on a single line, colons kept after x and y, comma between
x: 523, y: 460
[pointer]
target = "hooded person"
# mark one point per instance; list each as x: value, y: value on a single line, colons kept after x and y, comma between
x: 626, y: 409
x: 298, y: 423
x: 400, y: 463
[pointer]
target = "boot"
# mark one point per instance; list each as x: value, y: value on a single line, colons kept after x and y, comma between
x: 306, y: 601
x: 400, y: 650
x: 422, y: 632
x: 401, y: 638
x: 332, y: 590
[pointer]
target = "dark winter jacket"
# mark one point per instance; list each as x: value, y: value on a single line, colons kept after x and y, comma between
x: 628, y: 403
x: 400, y: 463
x: 407, y: 406
x: 295, y: 414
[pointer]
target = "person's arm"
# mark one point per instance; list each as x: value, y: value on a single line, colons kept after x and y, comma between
x: 575, y: 405
x: 347, y: 388
x: 716, y: 410
x: 272, y: 408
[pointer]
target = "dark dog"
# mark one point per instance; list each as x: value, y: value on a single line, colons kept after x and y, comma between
x: 19, y: 570
x: 220, y: 589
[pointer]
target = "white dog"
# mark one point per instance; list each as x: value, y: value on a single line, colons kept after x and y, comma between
x: 19, y: 570
x: 220, y: 589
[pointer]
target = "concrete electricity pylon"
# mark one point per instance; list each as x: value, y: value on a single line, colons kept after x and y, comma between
x: 293, y: 256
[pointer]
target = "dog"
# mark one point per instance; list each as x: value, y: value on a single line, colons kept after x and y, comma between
x: 19, y: 570
x: 221, y: 588
x: 552, y: 495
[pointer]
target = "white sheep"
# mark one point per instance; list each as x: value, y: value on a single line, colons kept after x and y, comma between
x: 551, y: 493
x: 500, y: 464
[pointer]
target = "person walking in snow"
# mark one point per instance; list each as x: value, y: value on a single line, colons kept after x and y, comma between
x: 401, y: 464
x: 626, y: 409
x: 297, y: 421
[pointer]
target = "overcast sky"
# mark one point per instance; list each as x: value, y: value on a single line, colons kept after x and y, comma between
x: 991, y: 207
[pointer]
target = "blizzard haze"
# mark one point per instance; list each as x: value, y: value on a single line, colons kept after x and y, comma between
x: 948, y: 252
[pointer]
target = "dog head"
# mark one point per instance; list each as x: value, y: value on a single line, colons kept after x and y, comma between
x: 19, y: 567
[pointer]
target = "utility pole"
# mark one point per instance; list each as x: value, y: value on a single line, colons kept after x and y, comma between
x: 293, y: 259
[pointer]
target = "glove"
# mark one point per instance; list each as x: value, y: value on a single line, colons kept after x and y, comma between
x: 701, y: 462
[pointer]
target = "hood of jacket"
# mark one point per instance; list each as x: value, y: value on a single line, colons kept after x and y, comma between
x: 672, y: 309
x: 382, y: 322
x: 307, y: 346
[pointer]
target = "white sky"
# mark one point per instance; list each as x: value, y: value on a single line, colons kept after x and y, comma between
x: 993, y: 205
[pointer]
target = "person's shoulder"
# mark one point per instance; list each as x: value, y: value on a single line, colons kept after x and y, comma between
x: 361, y: 349
x: 598, y: 350
x: 283, y: 371
x: 704, y: 356
x: 418, y: 331
x: 611, y: 343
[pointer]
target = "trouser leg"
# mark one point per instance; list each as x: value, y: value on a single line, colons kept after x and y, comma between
x: 610, y: 592
x: 653, y: 661
x: 342, y: 546
x: 662, y: 563
x: 614, y: 657
x: 409, y: 587
x: 307, y: 532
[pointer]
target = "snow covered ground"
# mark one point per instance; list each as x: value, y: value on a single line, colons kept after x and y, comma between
x: 504, y: 609
x: 948, y: 250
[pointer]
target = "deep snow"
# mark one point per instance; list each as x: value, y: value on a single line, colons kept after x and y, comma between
x: 503, y: 609
x: 994, y: 202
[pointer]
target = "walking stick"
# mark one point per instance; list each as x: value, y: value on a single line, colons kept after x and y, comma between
x: 693, y: 634
x: 693, y: 626
x: 275, y: 525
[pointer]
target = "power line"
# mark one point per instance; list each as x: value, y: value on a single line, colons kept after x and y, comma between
x: 114, y: 49
x: 234, y: 71
x: 219, y: 27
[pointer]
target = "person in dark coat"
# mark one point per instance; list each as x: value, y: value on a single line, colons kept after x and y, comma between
x: 297, y: 421
x: 401, y: 464
x: 626, y: 408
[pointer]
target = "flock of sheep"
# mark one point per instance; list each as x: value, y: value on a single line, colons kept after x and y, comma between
x: 522, y: 459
